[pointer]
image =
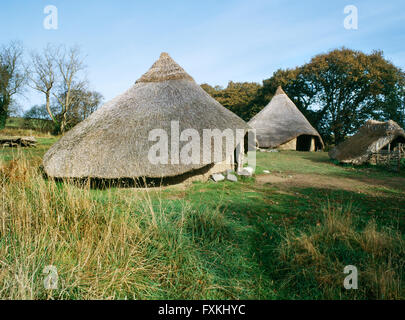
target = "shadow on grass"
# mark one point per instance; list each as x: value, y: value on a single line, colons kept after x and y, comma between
x: 259, y: 222
x: 376, y: 176
x: 143, y: 182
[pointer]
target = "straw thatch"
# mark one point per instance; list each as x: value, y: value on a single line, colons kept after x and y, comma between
x: 371, y: 138
x: 280, y: 122
x: 113, y: 143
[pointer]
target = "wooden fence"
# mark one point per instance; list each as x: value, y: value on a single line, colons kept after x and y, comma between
x: 389, y: 158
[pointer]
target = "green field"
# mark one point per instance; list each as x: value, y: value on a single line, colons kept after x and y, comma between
x: 37, y: 125
x: 284, y: 235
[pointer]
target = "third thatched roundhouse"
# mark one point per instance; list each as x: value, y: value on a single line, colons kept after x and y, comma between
x: 371, y: 138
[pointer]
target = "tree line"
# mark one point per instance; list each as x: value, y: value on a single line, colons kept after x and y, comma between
x: 58, y: 73
x: 337, y: 91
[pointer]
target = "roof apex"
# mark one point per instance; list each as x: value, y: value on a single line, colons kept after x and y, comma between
x: 279, y: 91
x: 165, y: 68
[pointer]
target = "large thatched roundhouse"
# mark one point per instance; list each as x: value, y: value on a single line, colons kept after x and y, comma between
x: 371, y: 138
x: 281, y: 125
x: 115, y: 142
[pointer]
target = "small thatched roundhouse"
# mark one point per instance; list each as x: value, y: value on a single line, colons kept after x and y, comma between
x: 281, y: 125
x: 115, y: 141
x: 371, y: 138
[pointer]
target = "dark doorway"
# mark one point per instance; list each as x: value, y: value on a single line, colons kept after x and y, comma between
x: 304, y: 143
x: 394, y: 143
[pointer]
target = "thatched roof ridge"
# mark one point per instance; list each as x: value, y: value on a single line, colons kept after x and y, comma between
x: 370, y: 138
x: 281, y: 121
x: 165, y: 68
x: 114, y: 141
x: 279, y: 91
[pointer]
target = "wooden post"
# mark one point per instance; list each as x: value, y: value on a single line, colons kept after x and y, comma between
x: 240, y: 152
x: 389, y: 156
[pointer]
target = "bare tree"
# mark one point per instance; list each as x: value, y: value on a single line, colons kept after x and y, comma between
x: 83, y: 103
x: 42, y: 74
x: 56, y: 72
x: 69, y: 63
x: 12, y: 77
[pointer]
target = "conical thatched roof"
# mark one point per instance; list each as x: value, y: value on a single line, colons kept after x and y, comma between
x: 370, y: 138
x: 114, y: 141
x: 281, y: 121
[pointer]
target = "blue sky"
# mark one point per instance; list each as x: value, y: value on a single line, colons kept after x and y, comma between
x: 214, y: 41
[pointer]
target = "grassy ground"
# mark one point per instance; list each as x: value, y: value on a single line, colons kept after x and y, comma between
x: 37, y: 125
x: 15, y: 122
x: 43, y: 144
x: 284, y: 235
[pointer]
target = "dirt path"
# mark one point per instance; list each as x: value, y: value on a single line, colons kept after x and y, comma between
x: 360, y: 184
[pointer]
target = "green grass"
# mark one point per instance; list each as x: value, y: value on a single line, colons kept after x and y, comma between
x: 18, y: 123
x: 43, y: 145
x: 244, y: 240
x: 15, y: 122
x: 318, y: 163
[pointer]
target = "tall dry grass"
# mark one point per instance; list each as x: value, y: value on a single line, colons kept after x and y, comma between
x: 105, y: 245
x: 316, y: 257
x: 134, y: 244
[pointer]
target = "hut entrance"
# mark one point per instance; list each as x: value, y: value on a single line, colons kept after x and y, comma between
x: 394, y: 144
x: 305, y: 143
x: 238, y: 154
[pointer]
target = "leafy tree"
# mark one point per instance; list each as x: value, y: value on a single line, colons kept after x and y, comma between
x: 340, y: 90
x: 236, y: 96
x: 37, y: 118
x: 37, y: 112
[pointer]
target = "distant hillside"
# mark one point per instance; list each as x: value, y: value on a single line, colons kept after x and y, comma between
x: 41, y: 125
